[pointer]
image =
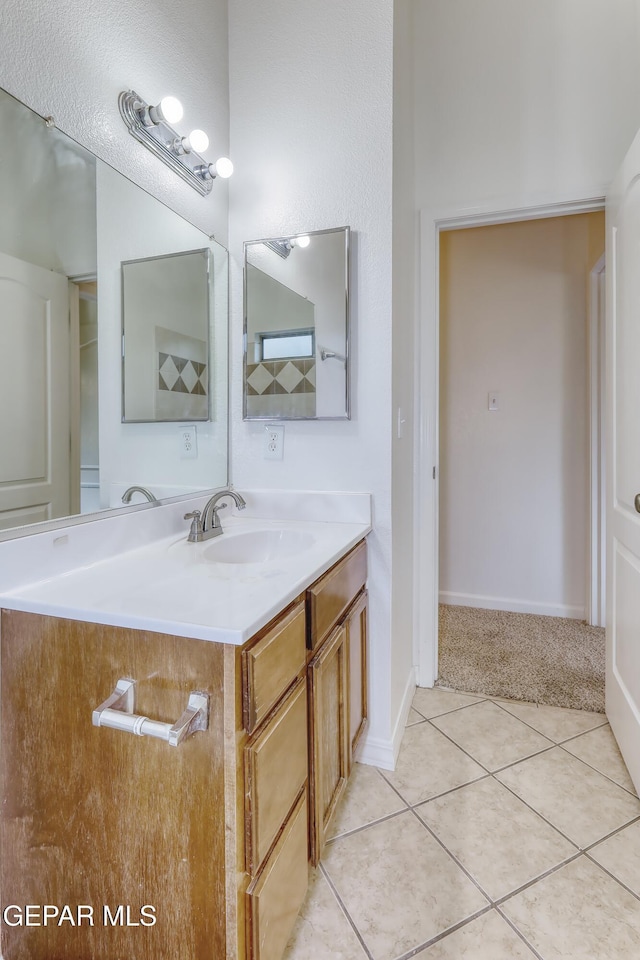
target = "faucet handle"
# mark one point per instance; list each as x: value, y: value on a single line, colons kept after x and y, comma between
x: 195, y: 532
x: 215, y: 520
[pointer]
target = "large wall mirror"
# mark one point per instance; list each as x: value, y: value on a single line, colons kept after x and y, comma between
x: 69, y: 222
x: 296, y: 315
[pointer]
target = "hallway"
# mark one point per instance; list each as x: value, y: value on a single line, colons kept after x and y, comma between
x: 508, y: 831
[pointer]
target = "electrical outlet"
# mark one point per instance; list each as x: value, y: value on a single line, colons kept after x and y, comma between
x: 188, y: 442
x: 274, y: 441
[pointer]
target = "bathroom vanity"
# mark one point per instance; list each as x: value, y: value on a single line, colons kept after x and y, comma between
x: 196, y: 850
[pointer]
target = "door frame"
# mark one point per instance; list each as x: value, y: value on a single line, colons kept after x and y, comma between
x: 596, y: 579
x: 433, y: 222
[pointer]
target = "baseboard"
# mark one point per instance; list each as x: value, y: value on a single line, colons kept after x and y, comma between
x: 514, y: 606
x: 376, y: 752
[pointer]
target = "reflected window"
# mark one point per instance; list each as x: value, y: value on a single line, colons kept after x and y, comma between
x: 285, y: 345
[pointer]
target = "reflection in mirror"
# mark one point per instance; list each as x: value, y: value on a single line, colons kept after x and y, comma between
x: 165, y: 335
x: 296, y: 307
x: 68, y: 222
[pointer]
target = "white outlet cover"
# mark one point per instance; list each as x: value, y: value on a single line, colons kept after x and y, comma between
x: 188, y: 440
x: 273, y: 441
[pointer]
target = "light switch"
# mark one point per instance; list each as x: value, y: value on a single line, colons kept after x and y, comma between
x: 494, y: 400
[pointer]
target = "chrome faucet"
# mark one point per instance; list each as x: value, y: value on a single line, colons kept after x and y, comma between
x: 206, y: 524
x: 126, y: 496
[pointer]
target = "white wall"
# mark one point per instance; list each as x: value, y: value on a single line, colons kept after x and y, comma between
x: 405, y: 256
x: 517, y: 104
x: 71, y: 59
x: 514, y: 482
x: 521, y: 102
x: 311, y: 136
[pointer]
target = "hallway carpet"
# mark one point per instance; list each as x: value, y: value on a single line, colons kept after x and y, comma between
x: 522, y: 656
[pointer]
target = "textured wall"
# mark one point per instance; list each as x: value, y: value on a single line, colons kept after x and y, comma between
x: 520, y: 101
x: 311, y: 131
x: 71, y: 59
x: 405, y: 256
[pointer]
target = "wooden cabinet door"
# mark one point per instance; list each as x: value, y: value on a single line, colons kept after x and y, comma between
x: 100, y: 818
x: 329, y: 728
x: 356, y: 624
x: 276, y: 769
x: 275, y: 896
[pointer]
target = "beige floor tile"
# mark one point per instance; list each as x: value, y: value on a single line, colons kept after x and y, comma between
x: 491, y: 735
x: 600, y: 750
x: 368, y: 797
x: 322, y: 932
x: 432, y: 701
x: 429, y: 764
x: 414, y: 717
x: 577, y: 800
x: 556, y: 723
x: 489, y: 937
x: 399, y: 886
x: 620, y: 855
x: 578, y: 913
x: 496, y: 837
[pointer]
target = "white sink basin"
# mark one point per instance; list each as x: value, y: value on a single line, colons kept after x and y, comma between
x: 258, y: 546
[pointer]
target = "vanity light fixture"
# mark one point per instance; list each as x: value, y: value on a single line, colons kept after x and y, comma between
x: 151, y: 125
x: 284, y: 246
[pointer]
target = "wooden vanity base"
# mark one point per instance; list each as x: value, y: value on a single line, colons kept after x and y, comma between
x: 142, y: 850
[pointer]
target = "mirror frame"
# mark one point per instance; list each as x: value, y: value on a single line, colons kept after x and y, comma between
x: 347, y: 325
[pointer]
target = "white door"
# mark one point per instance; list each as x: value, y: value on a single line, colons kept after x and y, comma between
x: 34, y: 393
x: 623, y: 457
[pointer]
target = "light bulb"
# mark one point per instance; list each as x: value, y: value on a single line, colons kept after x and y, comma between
x: 198, y: 140
x: 171, y: 109
x: 221, y: 168
x: 300, y: 241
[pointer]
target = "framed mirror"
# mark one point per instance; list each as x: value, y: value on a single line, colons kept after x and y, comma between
x: 165, y: 337
x: 296, y: 327
x: 68, y: 223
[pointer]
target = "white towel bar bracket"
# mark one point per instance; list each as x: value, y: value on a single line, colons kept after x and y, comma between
x: 118, y: 712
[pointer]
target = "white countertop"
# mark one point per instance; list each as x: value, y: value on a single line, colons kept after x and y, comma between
x: 172, y: 586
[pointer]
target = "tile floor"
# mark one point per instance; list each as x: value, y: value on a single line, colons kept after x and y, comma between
x: 507, y: 831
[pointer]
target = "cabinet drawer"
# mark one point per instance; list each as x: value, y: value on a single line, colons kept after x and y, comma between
x: 276, y: 895
x: 276, y: 765
x: 271, y: 665
x: 330, y: 596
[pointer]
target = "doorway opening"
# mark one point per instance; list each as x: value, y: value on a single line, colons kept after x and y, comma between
x: 506, y: 526
x: 85, y: 447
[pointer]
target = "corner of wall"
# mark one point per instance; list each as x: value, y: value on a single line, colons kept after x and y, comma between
x: 378, y: 752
